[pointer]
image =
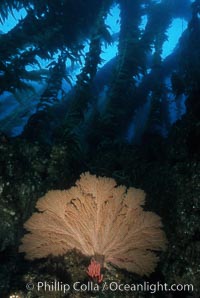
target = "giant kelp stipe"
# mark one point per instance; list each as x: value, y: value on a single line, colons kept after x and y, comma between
x: 111, y: 88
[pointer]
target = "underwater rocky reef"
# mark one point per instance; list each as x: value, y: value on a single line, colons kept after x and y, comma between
x: 124, y: 120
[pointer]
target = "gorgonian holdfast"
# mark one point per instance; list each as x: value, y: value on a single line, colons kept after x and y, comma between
x: 99, y: 219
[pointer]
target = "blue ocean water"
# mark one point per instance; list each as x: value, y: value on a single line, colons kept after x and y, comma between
x: 14, y: 118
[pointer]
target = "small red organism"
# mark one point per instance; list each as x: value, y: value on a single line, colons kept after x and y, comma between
x: 94, y: 271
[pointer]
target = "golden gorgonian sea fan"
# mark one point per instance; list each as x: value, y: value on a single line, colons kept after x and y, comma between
x: 99, y: 219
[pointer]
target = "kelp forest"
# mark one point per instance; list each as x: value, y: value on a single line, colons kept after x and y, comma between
x: 114, y: 120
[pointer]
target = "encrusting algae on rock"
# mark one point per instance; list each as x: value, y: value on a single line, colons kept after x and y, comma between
x: 99, y: 219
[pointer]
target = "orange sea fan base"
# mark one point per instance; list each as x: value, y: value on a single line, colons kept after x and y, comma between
x: 94, y: 271
x: 96, y: 217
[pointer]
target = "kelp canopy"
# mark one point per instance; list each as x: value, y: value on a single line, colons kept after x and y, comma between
x: 63, y: 27
x: 49, y: 26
